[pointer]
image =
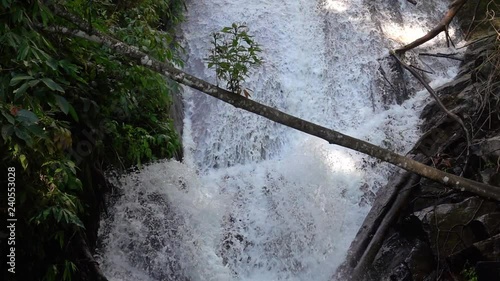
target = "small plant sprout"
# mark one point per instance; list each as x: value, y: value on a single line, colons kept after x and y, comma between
x: 232, y: 55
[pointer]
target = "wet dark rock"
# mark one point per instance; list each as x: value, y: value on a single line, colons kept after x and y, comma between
x: 454, y: 87
x: 368, y: 195
x: 401, y: 273
x: 447, y: 225
x: 392, y: 254
x: 487, y: 271
x: 489, y: 248
x: 495, y: 179
x: 420, y: 261
x: 443, y: 232
x: 484, y: 254
x: 431, y: 194
x: 402, y: 259
x: 489, y: 149
x: 392, y: 81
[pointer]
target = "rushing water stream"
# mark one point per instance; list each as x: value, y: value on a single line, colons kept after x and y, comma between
x: 254, y: 200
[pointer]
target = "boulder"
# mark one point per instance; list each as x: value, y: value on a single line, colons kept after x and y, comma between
x: 448, y: 225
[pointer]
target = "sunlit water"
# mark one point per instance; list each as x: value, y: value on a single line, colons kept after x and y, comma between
x: 254, y: 200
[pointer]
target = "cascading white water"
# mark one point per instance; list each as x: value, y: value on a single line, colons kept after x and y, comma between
x: 254, y: 200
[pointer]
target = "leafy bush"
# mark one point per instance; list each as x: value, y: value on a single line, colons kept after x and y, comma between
x: 233, y: 53
x: 69, y: 109
x: 469, y: 273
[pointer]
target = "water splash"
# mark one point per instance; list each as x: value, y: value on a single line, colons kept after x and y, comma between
x: 255, y: 200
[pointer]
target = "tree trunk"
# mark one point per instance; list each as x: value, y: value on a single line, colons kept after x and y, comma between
x: 333, y: 137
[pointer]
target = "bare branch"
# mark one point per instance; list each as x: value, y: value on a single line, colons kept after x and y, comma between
x: 440, y: 55
x: 420, y: 69
x: 442, y: 26
x: 438, y: 101
x: 469, y: 29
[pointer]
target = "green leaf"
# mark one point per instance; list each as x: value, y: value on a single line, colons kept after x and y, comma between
x: 7, y: 131
x: 23, y: 51
x: 52, y: 85
x: 37, y: 131
x: 58, y: 213
x: 24, y: 161
x: 9, y: 117
x: 72, y: 218
x: 43, y: 53
x: 33, y: 83
x: 60, y: 237
x: 5, y: 3
x: 73, y: 114
x: 22, y: 134
x: 46, y: 213
x: 45, y: 15
x: 18, y: 78
x: 20, y: 91
x: 17, y: 16
x: 66, y: 273
x: 62, y: 103
x: 27, y: 117
x: 52, y: 63
x: 68, y: 67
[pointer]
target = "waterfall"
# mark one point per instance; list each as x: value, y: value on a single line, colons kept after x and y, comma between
x: 254, y: 200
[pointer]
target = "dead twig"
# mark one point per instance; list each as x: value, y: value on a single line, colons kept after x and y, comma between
x: 441, y: 105
x: 448, y: 38
x: 442, y: 26
x: 420, y: 69
x: 477, y: 40
x: 384, y: 75
x: 441, y: 55
x: 469, y: 29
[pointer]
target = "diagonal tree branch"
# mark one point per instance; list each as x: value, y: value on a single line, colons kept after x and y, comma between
x: 440, y: 104
x: 442, y: 26
x: 333, y: 137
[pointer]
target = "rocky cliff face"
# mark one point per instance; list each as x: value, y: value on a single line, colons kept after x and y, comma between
x: 442, y: 234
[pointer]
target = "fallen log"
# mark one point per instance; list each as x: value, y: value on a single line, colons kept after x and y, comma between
x: 238, y: 101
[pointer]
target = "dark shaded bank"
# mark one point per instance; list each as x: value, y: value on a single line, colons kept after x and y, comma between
x: 69, y: 111
x: 436, y: 233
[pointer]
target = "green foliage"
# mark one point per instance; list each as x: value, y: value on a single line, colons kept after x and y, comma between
x: 69, y: 109
x: 469, y: 274
x: 234, y: 52
x: 68, y: 268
